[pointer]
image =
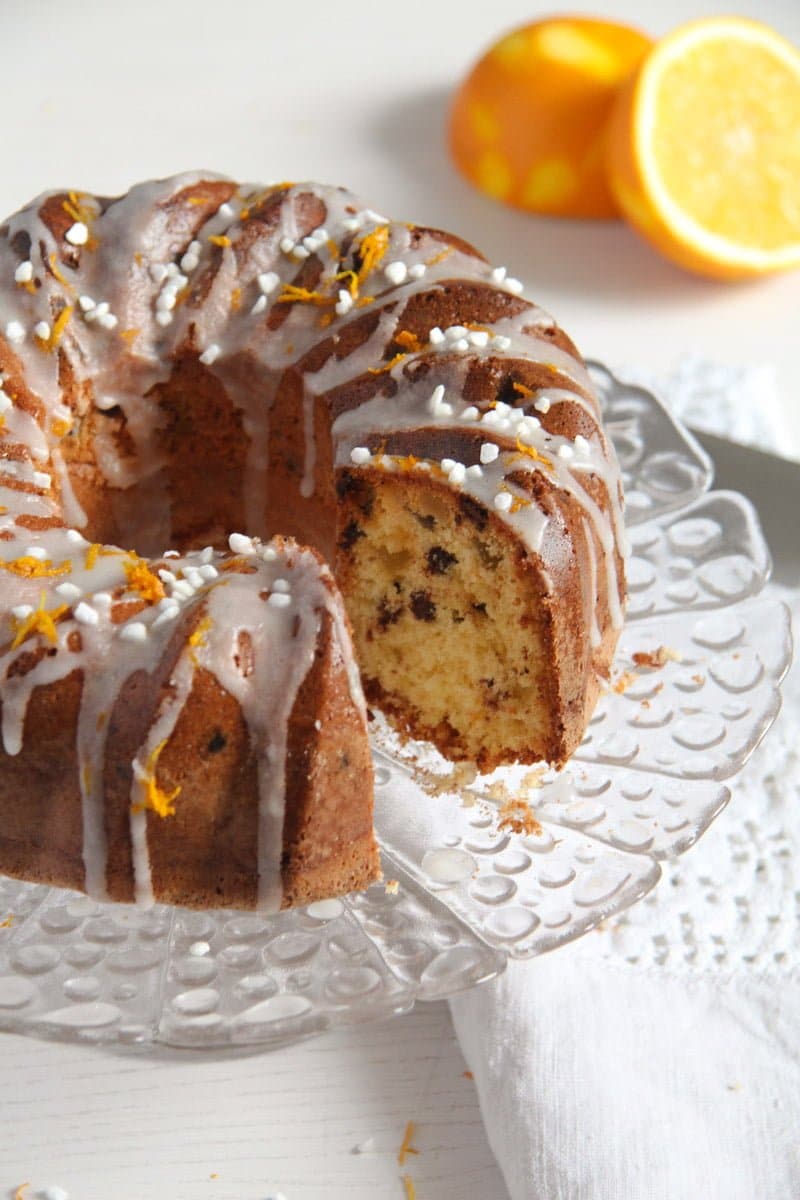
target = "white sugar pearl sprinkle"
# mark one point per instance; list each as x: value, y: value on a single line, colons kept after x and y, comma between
x: 470, y: 413
x: 501, y: 342
x: 565, y: 451
x: 24, y: 272
x: 503, y: 501
x: 396, y: 272
x: 35, y: 552
x: 581, y: 444
x: 280, y: 585
x: 134, y: 631
x: 41, y: 479
x: 489, y: 452
x: 210, y: 354
x: 279, y: 600
x: 268, y: 281
x: 240, y: 543
x: 479, y: 338
x: 259, y: 306
x: 417, y: 271
x: 41, y: 330
x: 86, y: 303
x: 458, y: 473
x: 436, y: 336
x: 77, y: 234
x: 360, y: 455
x: 497, y: 274
x: 542, y: 405
x: 68, y: 591
x: 15, y: 332
x: 513, y: 285
x: 474, y: 472
x: 85, y: 614
x: 21, y: 611
x: 344, y: 303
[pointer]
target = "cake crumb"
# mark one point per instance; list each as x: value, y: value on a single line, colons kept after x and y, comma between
x: 656, y: 658
x: 467, y: 1075
x: 624, y: 681
x: 517, y: 815
x: 9, y: 921
x: 534, y: 778
x: 19, y: 1194
x: 392, y: 887
x: 405, y: 1146
x: 408, y: 1184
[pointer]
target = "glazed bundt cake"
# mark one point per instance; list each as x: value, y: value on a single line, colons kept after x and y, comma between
x: 263, y: 380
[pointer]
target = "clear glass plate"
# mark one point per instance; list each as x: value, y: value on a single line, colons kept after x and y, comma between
x: 470, y: 891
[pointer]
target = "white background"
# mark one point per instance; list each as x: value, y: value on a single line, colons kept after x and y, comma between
x: 99, y: 95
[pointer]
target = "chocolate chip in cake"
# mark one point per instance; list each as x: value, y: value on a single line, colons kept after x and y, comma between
x: 440, y: 560
x: 422, y: 606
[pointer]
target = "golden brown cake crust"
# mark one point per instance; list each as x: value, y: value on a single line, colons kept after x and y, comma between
x: 197, y: 358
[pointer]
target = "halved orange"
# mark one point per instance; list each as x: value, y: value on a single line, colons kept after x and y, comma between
x: 703, y: 151
x: 526, y: 125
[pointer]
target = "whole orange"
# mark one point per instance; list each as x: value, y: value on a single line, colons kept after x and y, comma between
x: 527, y: 123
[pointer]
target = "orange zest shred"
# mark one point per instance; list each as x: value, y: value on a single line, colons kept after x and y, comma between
x: 59, y: 325
x: 332, y: 248
x: 129, y: 335
x: 220, y: 239
x: 98, y: 550
x: 411, y: 1191
x: 195, y: 200
x: 56, y: 273
x: 236, y: 299
x: 408, y: 340
x: 406, y: 462
x: 28, y: 285
x: 61, y: 426
x: 533, y: 453
x: 197, y: 637
x: 142, y: 580
x: 29, y: 567
x: 18, y: 1194
x: 371, y: 250
x: 522, y: 390
x: 405, y: 1146
x: 291, y: 294
x: 352, y: 281
x: 41, y: 620
x: 437, y: 258
x: 9, y: 921
x: 387, y: 366
x: 155, y: 798
x: 518, y: 503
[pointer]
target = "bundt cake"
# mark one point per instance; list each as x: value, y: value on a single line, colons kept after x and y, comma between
x: 241, y: 374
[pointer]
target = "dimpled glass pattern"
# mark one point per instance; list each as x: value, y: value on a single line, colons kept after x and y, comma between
x: 695, y: 687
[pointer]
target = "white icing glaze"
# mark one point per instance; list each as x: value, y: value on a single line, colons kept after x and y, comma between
x: 156, y: 278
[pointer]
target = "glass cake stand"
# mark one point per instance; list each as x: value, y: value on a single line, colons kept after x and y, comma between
x: 467, y: 891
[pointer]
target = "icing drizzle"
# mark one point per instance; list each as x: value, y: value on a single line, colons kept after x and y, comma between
x: 108, y: 295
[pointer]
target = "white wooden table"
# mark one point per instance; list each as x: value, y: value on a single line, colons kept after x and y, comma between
x: 100, y: 95
x: 114, y: 1126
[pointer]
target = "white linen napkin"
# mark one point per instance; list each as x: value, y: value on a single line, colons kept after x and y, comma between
x: 659, y: 1058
